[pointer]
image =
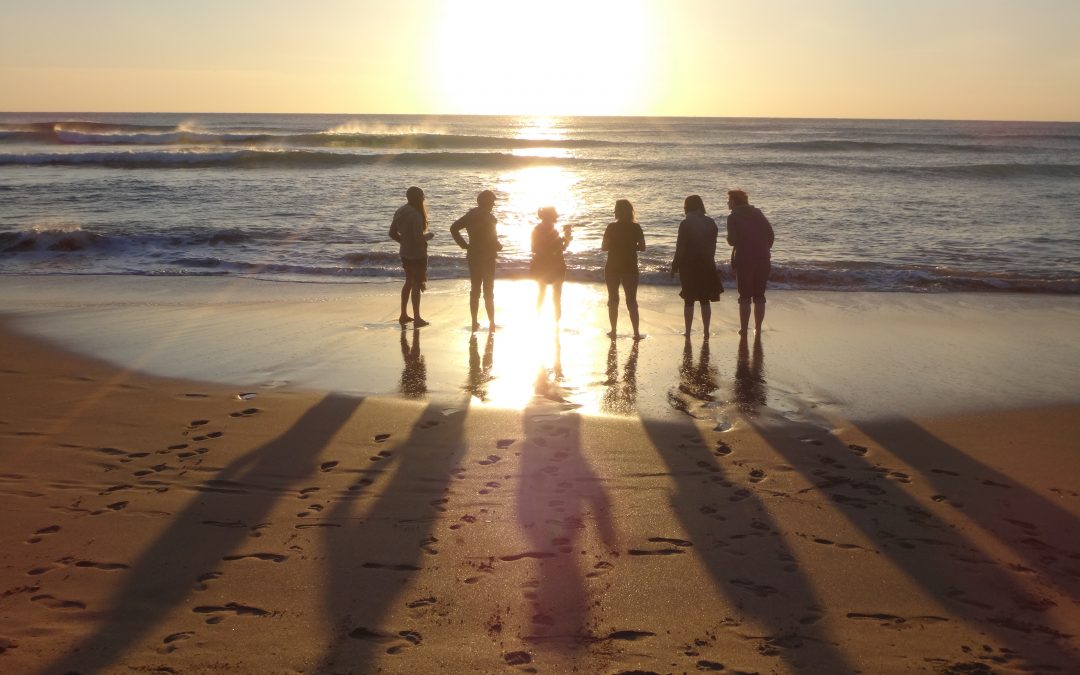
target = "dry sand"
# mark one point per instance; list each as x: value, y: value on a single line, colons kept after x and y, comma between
x: 167, y: 525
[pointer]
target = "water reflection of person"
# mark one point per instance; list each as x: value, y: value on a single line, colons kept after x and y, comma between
x: 620, y: 397
x: 699, y: 381
x: 480, y: 369
x: 696, y: 382
x: 750, y: 389
x: 549, y: 378
x: 414, y: 372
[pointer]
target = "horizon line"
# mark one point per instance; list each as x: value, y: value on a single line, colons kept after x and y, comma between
x: 631, y: 116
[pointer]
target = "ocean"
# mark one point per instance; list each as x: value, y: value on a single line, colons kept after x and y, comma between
x: 866, y: 205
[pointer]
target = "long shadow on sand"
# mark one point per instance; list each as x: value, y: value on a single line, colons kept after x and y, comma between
x: 736, y: 538
x: 1012, y: 513
x: 934, y: 556
x: 197, y: 540
x: 559, y: 497
x: 373, y: 555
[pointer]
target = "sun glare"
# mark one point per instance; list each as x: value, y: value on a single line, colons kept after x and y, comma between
x: 556, y: 57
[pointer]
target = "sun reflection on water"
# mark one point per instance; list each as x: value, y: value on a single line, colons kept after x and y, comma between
x: 530, y: 356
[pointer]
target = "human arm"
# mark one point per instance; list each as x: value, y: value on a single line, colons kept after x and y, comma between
x: 640, y: 243
x: 731, y: 236
x: 605, y: 243
x: 455, y: 231
x: 680, y: 245
x: 768, y: 228
x: 394, y: 233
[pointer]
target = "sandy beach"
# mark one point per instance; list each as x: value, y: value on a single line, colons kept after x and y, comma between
x: 237, y: 476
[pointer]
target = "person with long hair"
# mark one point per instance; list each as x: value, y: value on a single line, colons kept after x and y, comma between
x: 695, y: 263
x: 410, y: 229
x: 548, y: 266
x: 622, y: 241
x: 481, y: 248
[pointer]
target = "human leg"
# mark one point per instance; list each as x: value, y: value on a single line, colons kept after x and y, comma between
x: 488, y: 282
x: 688, y: 315
x: 706, y: 317
x: 556, y: 299
x: 612, y: 281
x: 761, y: 280
x: 630, y: 286
x: 475, y: 281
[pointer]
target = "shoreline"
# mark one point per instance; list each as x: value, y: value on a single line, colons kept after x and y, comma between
x: 843, y: 355
x: 349, y: 534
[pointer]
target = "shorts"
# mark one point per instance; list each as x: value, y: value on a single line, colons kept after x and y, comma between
x: 752, y: 276
x: 416, y: 269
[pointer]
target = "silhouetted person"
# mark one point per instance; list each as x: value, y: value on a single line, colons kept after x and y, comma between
x: 414, y: 372
x: 750, y: 392
x: 482, y: 246
x: 480, y: 369
x: 751, y: 236
x: 410, y: 229
x: 620, y: 396
x: 695, y: 263
x: 547, y: 265
x: 622, y: 241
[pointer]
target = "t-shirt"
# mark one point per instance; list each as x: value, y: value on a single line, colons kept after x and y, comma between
x: 408, y: 226
x: 621, y: 242
x: 483, y: 239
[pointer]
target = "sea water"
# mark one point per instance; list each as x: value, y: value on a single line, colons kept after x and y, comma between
x: 856, y: 204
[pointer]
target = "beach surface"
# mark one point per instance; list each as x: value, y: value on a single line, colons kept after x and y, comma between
x: 227, y: 475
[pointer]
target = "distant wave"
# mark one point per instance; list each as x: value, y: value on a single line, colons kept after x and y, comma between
x: 986, y: 170
x: 838, y: 145
x: 254, y: 159
x: 96, y: 133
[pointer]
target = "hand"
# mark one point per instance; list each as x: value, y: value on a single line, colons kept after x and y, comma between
x: 429, y: 236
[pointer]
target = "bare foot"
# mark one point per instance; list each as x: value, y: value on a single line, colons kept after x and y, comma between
x: 492, y: 327
x: 419, y: 323
x: 611, y: 334
x: 742, y: 331
x: 404, y: 319
x: 639, y: 336
x: 475, y: 326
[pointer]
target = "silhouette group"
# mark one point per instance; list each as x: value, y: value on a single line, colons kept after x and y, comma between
x: 749, y: 233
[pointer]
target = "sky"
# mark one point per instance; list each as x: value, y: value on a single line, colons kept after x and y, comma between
x: 920, y: 59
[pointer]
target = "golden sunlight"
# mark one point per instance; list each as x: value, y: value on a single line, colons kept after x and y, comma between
x: 557, y: 57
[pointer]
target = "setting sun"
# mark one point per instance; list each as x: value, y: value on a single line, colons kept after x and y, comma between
x: 546, y: 58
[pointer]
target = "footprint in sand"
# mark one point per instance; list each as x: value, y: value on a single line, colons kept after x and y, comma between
x: 489, y: 486
x: 859, y: 450
x: 326, y: 466
x: 517, y: 658
x: 247, y: 412
x: 504, y: 443
x: 757, y: 475
x: 229, y: 607
x: 383, y: 454
x: 269, y: 557
x: 599, y: 569
x: 381, y: 438
x: 429, y: 424
x: 491, y: 459
x: 722, y: 449
x: 53, y: 602
x: 201, y: 582
x: 40, y: 534
x: 307, y: 492
x: 195, y: 424
x: 422, y: 602
x: 212, y: 434
x: 169, y: 642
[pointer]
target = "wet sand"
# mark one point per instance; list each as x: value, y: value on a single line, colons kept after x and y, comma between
x: 611, y: 519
